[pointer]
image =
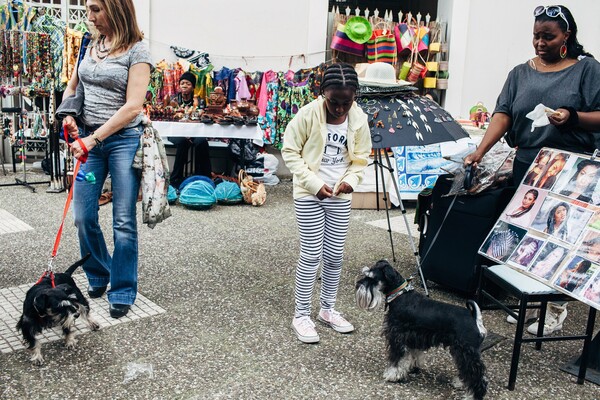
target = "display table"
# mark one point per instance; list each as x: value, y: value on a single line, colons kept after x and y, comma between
x: 196, y: 129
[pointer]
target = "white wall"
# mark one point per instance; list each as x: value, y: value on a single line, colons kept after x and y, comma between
x: 254, y: 35
x: 488, y: 38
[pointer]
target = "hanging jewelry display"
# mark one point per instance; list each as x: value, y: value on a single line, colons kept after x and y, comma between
x: 25, y: 69
x: 408, y: 120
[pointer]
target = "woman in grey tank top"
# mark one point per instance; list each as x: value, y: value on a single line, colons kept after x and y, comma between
x: 114, y: 75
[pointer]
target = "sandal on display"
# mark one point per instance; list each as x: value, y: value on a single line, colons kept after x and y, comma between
x: 206, y: 119
x: 225, y: 121
x: 105, y: 198
x: 251, y: 121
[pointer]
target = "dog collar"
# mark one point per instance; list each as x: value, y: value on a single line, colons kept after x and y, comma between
x: 405, y: 287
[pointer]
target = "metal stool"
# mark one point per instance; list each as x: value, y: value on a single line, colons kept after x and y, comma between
x: 528, y: 290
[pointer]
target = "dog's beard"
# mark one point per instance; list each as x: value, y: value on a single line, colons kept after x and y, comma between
x: 368, y: 297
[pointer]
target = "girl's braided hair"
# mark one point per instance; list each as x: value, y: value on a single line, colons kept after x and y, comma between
x: 339, y: 75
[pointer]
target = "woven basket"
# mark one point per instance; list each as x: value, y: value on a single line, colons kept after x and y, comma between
x: 429, y: 82
x: 432, y: 66
x: 253, y: 192
x: 442, y: 83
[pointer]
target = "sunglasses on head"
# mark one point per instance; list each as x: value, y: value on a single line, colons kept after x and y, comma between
x: 552, y: 12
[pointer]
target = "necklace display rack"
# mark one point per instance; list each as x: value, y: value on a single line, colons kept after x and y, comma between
x: 21, y: 141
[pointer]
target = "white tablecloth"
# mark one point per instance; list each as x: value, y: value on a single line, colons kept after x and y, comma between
x: 191, y: 129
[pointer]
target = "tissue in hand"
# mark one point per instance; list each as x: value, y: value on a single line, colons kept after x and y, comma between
x: 539, y: 115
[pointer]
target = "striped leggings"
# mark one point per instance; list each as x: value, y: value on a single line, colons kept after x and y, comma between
x: 323, y: 226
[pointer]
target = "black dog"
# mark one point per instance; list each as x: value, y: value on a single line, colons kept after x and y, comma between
x: 415, y: 323
x: 46, y: 307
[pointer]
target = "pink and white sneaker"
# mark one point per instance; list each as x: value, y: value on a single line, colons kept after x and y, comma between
x: 305, y: 330
x: 334, y: 320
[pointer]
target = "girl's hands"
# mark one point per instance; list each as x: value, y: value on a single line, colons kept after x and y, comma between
x: 325, y: 192
x: 344, y: 188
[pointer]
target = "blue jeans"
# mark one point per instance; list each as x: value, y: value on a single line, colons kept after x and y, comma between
x: 115, y: 155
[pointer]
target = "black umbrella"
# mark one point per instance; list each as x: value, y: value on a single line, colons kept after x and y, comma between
x: 402, y: 118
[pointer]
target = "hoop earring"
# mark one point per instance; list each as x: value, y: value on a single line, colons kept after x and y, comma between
x: 563, y: 50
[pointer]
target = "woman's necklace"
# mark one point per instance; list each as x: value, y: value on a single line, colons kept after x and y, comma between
x: 101, y: 50
x: 550, y: 65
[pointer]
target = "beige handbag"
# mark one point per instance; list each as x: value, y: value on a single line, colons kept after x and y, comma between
x: 253, y: 192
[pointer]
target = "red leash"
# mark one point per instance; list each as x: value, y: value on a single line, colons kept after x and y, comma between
x: 80, y: 160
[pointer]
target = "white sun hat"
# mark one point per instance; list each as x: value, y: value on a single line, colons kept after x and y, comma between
x: 381, y: 74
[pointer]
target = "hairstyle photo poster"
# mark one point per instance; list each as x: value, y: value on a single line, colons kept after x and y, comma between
x: 550, y: 230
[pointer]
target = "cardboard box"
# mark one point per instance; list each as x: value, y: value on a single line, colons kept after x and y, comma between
x: 368, y: 201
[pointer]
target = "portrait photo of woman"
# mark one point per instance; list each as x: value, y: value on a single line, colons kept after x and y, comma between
x: 552, y: 171
x: 575, y: 275
x: 548, y: 260
x: 526, y: 251
x: 553, y: 218
x: 590, y: 246
x: 524, y: 206
x: 595, y: 221
x: 502, y: 241
x: 581, y: 183
x: 592, y: 290
x: 538, y: 167
x: 556, y: 221
x: 561, y: 220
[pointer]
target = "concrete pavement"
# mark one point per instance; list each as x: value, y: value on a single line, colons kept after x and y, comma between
x: 224, y: 278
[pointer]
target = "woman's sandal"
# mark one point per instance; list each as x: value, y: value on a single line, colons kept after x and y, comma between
x: 105, y: 198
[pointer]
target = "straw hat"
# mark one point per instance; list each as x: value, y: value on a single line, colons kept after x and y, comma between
x: 358, y: 29
x: 381, y: 74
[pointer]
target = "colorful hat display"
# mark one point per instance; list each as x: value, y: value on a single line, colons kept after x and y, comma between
x: 381, y: 74
x: 358, y: 29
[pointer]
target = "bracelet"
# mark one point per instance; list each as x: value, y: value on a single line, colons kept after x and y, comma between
x: 95, y: 137
x: 573, y: 117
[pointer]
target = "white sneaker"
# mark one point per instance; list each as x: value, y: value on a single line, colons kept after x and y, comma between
x: 335, y: 320
x: 305, y: 330
x: 555, y: 316
x: 530, y: 315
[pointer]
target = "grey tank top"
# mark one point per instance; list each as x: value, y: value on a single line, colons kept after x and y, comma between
x: 105, y: 84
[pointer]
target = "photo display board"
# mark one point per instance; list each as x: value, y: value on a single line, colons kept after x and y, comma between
x: 550, y: 230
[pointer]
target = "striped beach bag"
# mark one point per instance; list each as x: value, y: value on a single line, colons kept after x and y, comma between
x: 382, y: 47
x: 341, y: 42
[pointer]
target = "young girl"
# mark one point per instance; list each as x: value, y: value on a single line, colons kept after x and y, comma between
x: 326, y: 148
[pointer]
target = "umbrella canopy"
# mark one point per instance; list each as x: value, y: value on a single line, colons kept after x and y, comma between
x: 403, y: 118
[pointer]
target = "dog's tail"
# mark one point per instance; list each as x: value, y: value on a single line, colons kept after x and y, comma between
x: 476, y: 314
x: 79, y: 263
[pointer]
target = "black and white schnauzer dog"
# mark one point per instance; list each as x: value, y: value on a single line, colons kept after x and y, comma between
x: 47, y: 305
x: 415, y: 323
